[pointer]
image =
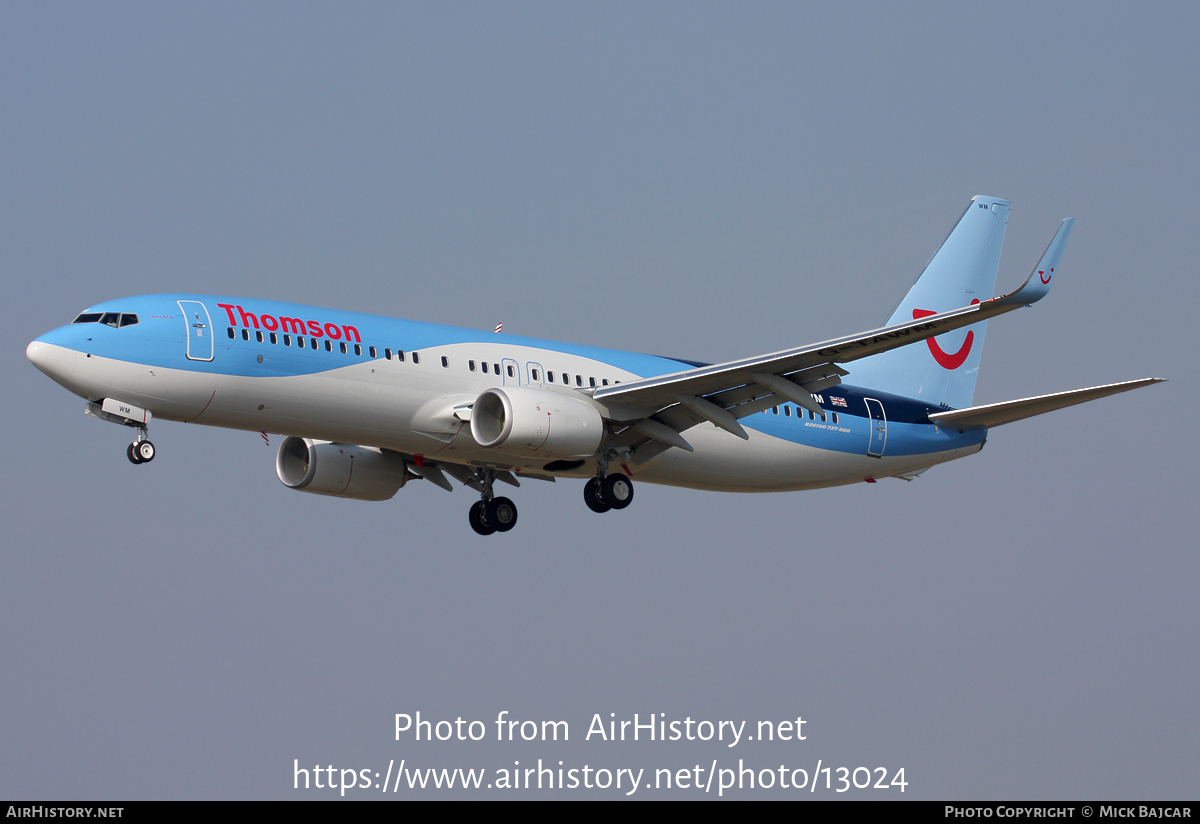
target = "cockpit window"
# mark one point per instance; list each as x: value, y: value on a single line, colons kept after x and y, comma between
x: 113, y: 319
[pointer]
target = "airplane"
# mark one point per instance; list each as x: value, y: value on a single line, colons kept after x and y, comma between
x: 368, y: 403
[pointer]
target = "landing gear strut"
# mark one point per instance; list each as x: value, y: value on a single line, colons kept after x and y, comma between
x: 141, y: 450
x: 491, y: 514
x: 608, y: 491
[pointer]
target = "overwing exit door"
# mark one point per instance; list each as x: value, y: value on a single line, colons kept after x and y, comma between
x: 512, y: 372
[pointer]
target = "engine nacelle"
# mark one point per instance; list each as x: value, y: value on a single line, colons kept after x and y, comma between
x: 532, y: 423
x: 339, y: 469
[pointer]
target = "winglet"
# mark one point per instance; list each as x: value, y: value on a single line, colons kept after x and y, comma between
x: 1037, y: 285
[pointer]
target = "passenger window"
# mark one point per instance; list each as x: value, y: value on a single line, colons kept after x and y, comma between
x: 387, y: 353
x: 258, y: 336
x: 775, y: 409
x: 535, y: 374
x: 822, y: 417
x: 345, y: 351
x: 358, y: 349
x: 512, y: 373
x: 496, y: 368
x: 604, y: 381
x: 400, y: 355
x: 230, y: 331
x: 373, y: 352
x: 329, y: 345
x: 566, y: 378
x: 445, y: 361
x: 287, y: 340
x: 313, y: 341
x: 471, y: 365
x: 416, y: 357
x: 787, y: 411
x: 245, y: 334
x: 579, y: 380
x: 592, y: 381
x: 835, y: 417
x: 128, y: 320
x: 550, y: 377
x: 300, y: 341
x: 274, y: 338
x: 110, y: 319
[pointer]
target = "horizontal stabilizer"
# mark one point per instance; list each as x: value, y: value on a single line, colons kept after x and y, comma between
x: 994, y: 414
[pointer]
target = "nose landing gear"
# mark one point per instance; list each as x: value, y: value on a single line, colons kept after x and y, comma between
x: 141, y: 450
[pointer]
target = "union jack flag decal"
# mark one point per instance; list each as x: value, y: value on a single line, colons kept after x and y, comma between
x: 836, y: 401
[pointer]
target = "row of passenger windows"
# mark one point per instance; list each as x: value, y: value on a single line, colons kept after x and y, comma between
x: 483, y: 366
x: 787, y: 411
x: 535, y: 373
x: 287, y: 341
x: 114, y: 319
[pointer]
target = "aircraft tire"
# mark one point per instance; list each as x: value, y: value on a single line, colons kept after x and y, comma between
x: 476, y: 516
x: 617, y: 490
x: 502, y: 514
x: 131, y: 454
x: 145, y: 451
x: 591, y: 496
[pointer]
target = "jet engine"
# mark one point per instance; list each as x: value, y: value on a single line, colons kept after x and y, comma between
x: 339, y: 469
x: 527, y: 422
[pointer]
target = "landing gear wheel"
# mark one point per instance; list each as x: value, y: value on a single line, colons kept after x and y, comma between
x: 591, y: 496
x: 132, y: 455
x: 502, y: 514
x: 616, y: 490
x: 144, y: 451
x: 476, y: 515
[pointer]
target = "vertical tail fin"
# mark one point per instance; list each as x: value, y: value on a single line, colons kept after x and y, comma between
x: 942, y: 370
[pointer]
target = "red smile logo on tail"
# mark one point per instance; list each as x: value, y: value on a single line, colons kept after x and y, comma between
x: 947, y: 360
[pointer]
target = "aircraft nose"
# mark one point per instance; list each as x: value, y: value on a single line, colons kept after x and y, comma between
x: 56, y: 361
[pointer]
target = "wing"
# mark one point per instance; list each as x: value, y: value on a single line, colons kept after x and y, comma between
x: 656, y: 410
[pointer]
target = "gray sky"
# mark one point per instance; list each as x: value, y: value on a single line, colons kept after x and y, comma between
x: 697, y: 180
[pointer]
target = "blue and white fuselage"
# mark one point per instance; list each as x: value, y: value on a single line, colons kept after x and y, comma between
x: 369, y: 402
x: 277, y: 382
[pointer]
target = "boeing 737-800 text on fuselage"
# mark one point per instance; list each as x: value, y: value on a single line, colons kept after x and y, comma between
x: 368, y: 403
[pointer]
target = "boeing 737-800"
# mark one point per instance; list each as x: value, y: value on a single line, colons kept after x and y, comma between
x: 368, y: 403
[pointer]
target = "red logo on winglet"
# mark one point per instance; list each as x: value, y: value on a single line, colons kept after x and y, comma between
x: 945, y: 359
x: 1046, y: 278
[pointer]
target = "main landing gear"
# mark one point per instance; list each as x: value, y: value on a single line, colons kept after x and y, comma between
x: 141, y: 450
x: 491, y: 514
x: 605, y: 492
